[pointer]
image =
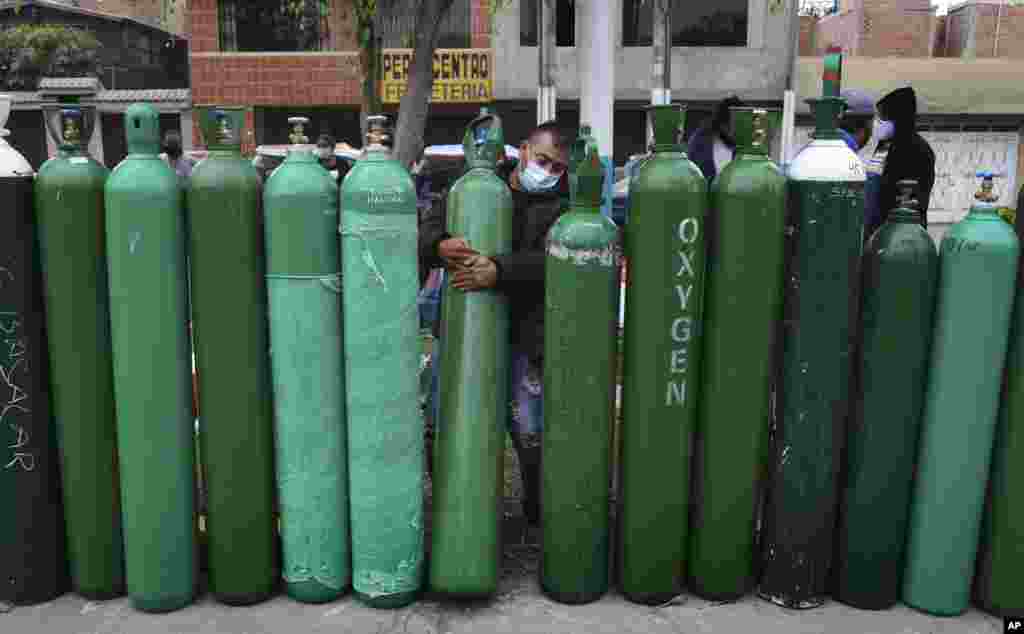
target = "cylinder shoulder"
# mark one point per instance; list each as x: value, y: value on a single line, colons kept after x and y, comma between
x: 749, y: 176
x: 214, y: 171
x: 481, y: 183
x: 672, y: 171
x: 986, y: 234
x: 142, y: 175
x: 827, y: 160
x: 581, y: 230
x: 75, y: 169
x: 901, y: 241
x: 301, y: 179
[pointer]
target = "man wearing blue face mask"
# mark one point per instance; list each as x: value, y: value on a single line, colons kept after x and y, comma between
x: 539, y: 185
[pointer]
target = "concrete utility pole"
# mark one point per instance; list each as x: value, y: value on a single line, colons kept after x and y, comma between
x: 661, y: 53
x: 596, y: 49
x: 547, y: 92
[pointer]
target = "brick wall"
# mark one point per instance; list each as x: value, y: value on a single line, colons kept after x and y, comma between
x: 481, y: 21
x: 897, y: 28
x: 982, y: 20
x: 808, y: 27
x: 286, y: 79
x: 839, y: 29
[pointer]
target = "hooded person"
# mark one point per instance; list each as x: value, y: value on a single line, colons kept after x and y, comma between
x: 909, y: 155
x: 539, y: 184
x: 712, y: 146
x: 173, y: 156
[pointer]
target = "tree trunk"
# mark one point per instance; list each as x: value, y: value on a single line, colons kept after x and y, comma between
x: 369, y: 57
x: 412, y: 114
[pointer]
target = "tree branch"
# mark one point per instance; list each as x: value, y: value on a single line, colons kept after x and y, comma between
x: 412, y: 114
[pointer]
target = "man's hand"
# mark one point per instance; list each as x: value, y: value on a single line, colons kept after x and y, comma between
x: 476, y: 274
x: 455, y: 251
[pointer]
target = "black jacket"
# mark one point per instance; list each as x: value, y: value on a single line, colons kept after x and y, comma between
x: 520, y: 271
x: 909, y: 156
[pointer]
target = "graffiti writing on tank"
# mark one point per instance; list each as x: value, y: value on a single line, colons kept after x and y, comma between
x: 375, y: 197
x: 958, y: 245
x: 14, y: 399
x: 682, y: 326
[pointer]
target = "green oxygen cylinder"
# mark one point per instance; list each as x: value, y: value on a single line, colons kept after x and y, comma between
x: 661, y: 362
x: 33, y: 567
x: 998, y: 587
x: 378, y: 226
x: 900, y: 272
x: 581, y: 319
x: 145, y: 228
x: 742, y: 304
x: 826, y: 223
x: 470, y: 433
x: 69, y: 208
x: 229, y: 320
x: 978, y: 260
x: 307, y: 361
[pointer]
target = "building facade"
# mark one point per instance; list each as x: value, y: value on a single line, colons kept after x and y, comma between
x: 740, y: 47
x: 875, y: 28
x: 236, y: 59
x: 983, y: 29
x: 138, y: 61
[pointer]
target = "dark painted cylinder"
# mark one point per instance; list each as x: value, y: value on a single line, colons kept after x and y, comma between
x: 33, y: 567
x: 742, y: 304
x: 998, y: 585
x: 229, y: 319
x: 69, y: 208
x: 377, y: 224
x: 978, y: 267
x: 665, y: 251
x: 900, y: 274
x: 581, y: 312
x: 470, y: 432
x: 145, y: 225
x: 825, y: 225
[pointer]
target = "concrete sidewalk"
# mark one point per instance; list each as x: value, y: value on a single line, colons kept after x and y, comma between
x: 519, y: 607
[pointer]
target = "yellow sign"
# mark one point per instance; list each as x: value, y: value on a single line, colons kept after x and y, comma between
x: 461, y: 75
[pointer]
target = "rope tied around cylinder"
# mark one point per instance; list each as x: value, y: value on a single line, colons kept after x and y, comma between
x: 362, y: 231
x: 330, y: 281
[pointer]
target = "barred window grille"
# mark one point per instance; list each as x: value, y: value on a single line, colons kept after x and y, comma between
x: 274, y: 25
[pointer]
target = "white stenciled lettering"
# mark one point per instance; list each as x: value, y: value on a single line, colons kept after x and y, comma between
x: 684, y: 295
x: 685, y: 265
x: 681, y: 330
x: 677, y: 362
x: 689, y: 230
x: 676, y: 393
x: 26, y: 461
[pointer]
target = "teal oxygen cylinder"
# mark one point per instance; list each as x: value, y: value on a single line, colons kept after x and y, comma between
x: 978, y: 260
x: 33, y: 566
x: 378, y: 226
x: 825, y: 226
x: 581, y: 311
x: 145, y: 228
x: 470, y: 431
x: 307, y: 361
x: 998, y: 587
x: 69, y: 208
x: 229, y: 320
x: 900, y: 274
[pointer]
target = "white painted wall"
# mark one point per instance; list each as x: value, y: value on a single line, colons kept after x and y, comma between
x: 757, y: 71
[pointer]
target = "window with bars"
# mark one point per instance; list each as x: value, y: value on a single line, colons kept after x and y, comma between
x: 529, y: 23
x: 396, y: 26
x: 719, y: 23
x: 273, y: 25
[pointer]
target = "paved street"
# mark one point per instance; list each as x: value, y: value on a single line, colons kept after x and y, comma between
x: 518, y: 608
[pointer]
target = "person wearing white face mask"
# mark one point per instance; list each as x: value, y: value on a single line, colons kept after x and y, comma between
x: 909, y: 156
x: 539, y: 187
